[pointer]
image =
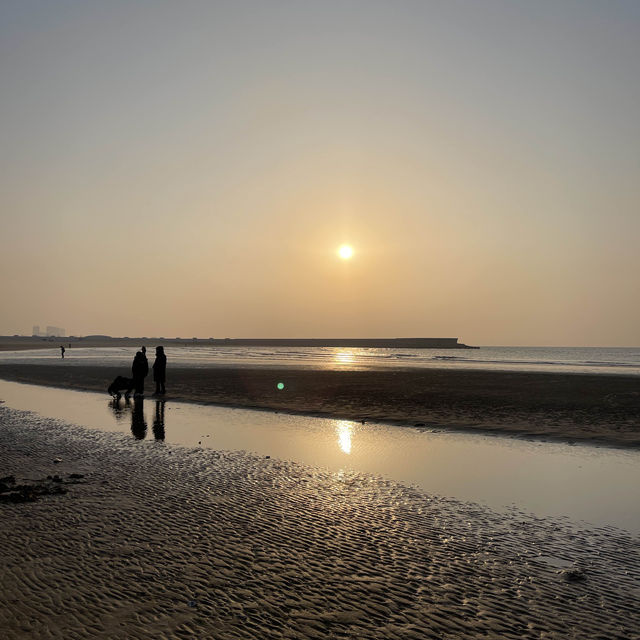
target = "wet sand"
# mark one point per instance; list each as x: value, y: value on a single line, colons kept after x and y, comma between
x: 162, y: 542
x: 583, y: 408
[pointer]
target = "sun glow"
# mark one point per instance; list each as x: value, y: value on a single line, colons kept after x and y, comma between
x: 345, y: 252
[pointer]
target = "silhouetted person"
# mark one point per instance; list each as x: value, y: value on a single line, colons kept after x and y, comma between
x: 138, y: 425
x: 62, y: 351
x: 139, y: 371
x: 158, y: 422
x: 160, y: 370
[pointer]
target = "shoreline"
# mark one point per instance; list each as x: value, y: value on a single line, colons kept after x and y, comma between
x: 147, y: 540
x: 595, y: 409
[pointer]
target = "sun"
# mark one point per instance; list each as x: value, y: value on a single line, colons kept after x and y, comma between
x: 345, y: 252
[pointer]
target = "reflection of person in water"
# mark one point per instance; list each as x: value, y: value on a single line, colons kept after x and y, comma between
x: 138, y: 424
x: 139, y: 370
x: 118, y: 409
x: 160, y: 370
x: 158, y: 421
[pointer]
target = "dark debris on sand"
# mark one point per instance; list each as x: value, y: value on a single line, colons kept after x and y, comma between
x: 10, y: 492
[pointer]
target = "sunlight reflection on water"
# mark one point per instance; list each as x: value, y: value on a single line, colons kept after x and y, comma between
x: 344, y: 429
x: 344, y: 356
x: 595, y: 484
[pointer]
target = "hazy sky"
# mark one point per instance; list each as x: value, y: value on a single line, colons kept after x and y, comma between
x: 190, y: 168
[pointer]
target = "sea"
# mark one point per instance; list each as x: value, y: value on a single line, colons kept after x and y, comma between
x: 583, y: 360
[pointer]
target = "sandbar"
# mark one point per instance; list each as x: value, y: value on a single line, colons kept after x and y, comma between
x: 598, y: 409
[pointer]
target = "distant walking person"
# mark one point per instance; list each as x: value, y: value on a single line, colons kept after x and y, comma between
x: 62, y: 351
x: 160, y: 370
x: 139, y: 371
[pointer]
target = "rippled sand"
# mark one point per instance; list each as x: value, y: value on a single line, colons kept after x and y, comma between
x: 161, y: 542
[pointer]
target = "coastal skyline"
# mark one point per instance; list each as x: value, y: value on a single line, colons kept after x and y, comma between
x: 197, y: 169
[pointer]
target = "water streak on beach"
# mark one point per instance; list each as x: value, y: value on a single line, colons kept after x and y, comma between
x: 597, y: 485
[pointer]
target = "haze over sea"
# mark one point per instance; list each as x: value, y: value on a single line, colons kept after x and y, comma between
x: 584, y: 360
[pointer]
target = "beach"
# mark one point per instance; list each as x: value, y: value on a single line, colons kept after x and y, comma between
x: 109, y: 536
x: 153, y: 541
x: 600, y: 409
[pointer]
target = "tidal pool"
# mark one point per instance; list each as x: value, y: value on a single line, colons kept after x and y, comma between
x: 597, y: 485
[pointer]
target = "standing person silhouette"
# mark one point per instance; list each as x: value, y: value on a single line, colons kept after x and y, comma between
x: 62, y: 351
x: 160, y: 370
x: 139, y: 371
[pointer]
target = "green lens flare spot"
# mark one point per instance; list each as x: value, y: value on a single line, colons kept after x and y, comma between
x: 280, y: 386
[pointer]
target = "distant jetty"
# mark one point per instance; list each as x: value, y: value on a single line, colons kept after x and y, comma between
x: 100, y: 340
x: 380, y: 343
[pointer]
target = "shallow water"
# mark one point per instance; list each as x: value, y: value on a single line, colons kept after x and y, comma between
x: 600, y: 360
x: 585, y: 483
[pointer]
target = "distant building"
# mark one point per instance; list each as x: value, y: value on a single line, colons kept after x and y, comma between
x: 55, y: 332
x: 50, y: 332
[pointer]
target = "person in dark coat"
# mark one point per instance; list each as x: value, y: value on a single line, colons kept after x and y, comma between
x: 160, y: 370
x: 139, y: 371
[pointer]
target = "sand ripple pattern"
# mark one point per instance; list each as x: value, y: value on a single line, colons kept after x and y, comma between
x: 162, y: 542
